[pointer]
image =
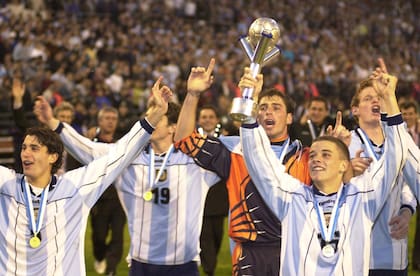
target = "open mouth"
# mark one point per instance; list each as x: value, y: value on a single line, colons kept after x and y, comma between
x: 269, y: 122
x: 376, y: 109
x: 26, y: 163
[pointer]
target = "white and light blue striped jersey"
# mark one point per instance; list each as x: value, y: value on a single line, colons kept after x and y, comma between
x: 69, y: 201
x: 386, y: 252
x: 413, y: 166
x: 361, y: 201
x: 164, y: 230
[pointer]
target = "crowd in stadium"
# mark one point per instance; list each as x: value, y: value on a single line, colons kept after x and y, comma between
x: 108, y: 53
x: 96, y: 53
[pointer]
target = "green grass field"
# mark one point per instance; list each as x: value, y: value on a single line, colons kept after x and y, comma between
x: 224, y: 263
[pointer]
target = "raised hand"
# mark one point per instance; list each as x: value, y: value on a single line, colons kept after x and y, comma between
x: 43, y: 110
x: 360, y: 164
x: 339, y: 131
x: 200, y: 78
x: 384, y: 83
x: 18, y: 90
x: 44, y: 113
x: 247, y: 81
x: 161, y: 95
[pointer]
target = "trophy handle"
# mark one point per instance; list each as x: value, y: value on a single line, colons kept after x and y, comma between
x: 247, y: 47
x: 271, y: 54
x: 261, y: 48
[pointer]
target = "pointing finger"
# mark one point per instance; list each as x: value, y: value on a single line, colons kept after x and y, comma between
x: 382, y: 65
x: 210, y: 67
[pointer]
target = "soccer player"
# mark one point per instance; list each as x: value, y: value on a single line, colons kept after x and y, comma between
x: 162, y: 192
x: 44, y: 217
x: 326, y: 227
x: 253, y: 227
x: 390, y: 231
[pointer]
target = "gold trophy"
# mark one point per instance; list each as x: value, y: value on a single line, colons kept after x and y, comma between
x: 260, y: 47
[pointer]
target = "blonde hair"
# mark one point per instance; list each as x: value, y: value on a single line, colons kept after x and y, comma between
x: 63, y: 106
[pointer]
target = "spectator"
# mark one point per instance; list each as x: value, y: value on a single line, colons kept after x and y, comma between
x: 107, y: 215
x: 314, y: 122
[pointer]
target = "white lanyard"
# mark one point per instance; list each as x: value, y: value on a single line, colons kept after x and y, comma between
x: 284, y: 150
x: 328, y: 232
x: 312, y: 130
x: 35, y: 227
x: 368, y: 144
x: 152, y: 179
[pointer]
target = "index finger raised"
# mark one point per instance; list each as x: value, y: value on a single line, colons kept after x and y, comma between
x: 382, y: 65
x: 338, y: 120
x: 158, y: 82
x: 210, y: 67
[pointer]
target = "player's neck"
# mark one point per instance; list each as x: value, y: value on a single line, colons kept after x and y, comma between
x: 39, y: 182
x: 279, y: 138
x: 374, y: 132
x: 161, y: 146
x: 329, y: 187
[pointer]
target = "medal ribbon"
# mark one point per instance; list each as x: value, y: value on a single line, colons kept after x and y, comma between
x: 328, y: 232
x: 312, y: 130
x: 284, y: 149
x: 35, y: 227
x: 368, y: 144
x: 152, y: 179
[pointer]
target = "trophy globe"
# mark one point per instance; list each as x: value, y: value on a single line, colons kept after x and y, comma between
x: 268, y: 26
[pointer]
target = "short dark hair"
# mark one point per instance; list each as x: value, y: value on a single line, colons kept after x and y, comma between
x: 211, y: 107
x: 51, y: 140
x: 290, y: 105
x: 340, y: 145
x: 407, y: 105
x: 173, y: 112
x: 319, y: 99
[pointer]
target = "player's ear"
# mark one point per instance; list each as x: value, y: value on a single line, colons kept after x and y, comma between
x: 172, y: 128
x: 355, y: 110
x: 289, y: 118
x: 52, y: 158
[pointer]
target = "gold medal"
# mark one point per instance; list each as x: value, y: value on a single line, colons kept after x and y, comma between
x: 148, y: 196
x: 35, y: 242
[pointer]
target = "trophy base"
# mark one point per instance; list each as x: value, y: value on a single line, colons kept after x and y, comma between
x: 242, y: 109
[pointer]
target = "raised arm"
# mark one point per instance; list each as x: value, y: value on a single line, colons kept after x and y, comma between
x: 382, y: 175
x: 94, y: 178
x: 18, y: 91
x: 80, y: 147
x: 199, y: 80
x: 267, y: 172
